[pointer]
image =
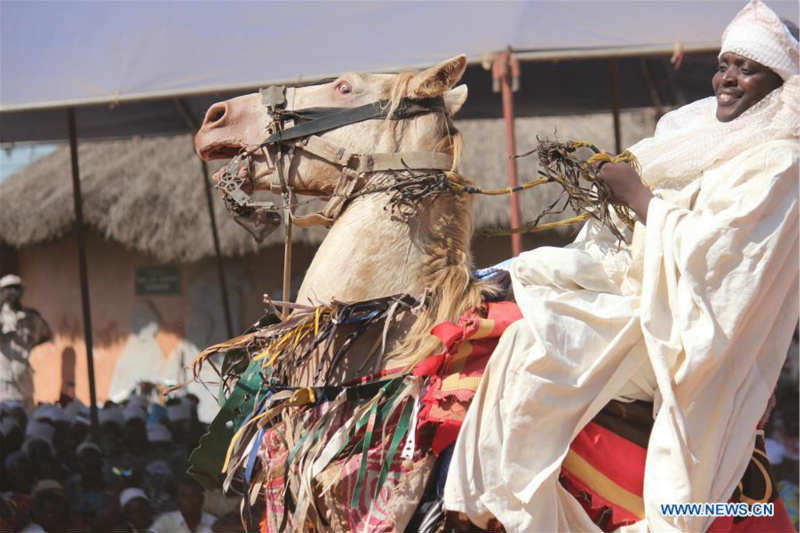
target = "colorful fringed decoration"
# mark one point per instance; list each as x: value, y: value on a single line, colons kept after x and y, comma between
x: 353, y: 457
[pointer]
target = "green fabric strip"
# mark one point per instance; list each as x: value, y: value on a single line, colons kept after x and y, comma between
x: 362, y: 472
x: 205, y: 461
x: 399, y: 432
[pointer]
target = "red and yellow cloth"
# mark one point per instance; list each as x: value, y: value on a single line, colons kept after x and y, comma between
x: 455, y: 373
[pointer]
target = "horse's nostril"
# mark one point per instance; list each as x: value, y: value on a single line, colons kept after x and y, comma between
x: 215, y: 115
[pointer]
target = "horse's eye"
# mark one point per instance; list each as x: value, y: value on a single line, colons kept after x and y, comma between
x: 344, y: 88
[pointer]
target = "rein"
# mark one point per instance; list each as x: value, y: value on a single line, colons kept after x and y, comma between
x: 298, y: 130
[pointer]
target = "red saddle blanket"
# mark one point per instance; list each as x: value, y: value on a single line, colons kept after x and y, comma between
x: 604, y: 468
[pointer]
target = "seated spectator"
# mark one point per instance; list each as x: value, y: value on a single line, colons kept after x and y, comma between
x: 189, y: 518
x: 11, y: 435
x: 15, y: 410
x: 112, y: 439
x: 162, y: 450
x: 50, y: 509
x: 19, y: 473
x: 135, y: 430
x: 15, y: 511
x: 91, y: 504
x: 122, y: 474
x: 179, y: 423
x: 158, y: 482
x: 196, y: 428
x: 136, y: 511
x: 39, y: 439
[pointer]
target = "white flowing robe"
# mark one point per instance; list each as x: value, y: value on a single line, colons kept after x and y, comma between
x: 695, y: 315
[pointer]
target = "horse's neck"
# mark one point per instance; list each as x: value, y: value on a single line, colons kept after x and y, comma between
x: 365, y: 255
x: 369, y: 255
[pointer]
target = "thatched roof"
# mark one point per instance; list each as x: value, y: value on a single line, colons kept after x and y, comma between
x: 147, y: 193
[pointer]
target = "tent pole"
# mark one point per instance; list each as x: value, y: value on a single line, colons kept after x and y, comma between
x: 613, y: 71
x: 84, y: 278
x: 193, y: 126
x: 505, y: 70
x: 223, y: 284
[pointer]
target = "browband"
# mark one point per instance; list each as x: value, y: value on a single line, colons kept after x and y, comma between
x: 321, y: 119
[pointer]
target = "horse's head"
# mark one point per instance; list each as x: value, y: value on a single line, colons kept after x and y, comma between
x: 367, y: 114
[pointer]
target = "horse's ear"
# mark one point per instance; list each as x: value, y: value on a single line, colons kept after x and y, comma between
x: 455, y: 98
x: 435, y: 81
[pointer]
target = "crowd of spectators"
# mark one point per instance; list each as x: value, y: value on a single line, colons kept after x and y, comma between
x: 56, y: 474
x: 130, y: 474
x: 781, y: 430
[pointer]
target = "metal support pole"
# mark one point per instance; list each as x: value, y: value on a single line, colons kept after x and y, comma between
x: 191, y: 122
x: 505, y: 72
x: 613, y: 70
x: 84, y: 278
x: 655, y: 99
x: 223, y: 284
x: 287, y: 264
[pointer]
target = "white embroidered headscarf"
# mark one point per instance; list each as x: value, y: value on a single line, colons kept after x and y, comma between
x: 690, y: 139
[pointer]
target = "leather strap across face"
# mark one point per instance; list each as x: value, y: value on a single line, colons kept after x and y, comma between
x: 302, y: 135
x: 315, y: 120
x: 354, y: 167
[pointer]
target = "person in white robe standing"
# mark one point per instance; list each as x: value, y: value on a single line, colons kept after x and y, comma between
x: 695, y: 314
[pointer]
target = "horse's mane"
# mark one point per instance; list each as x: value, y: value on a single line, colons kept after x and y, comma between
x: 446, y: 246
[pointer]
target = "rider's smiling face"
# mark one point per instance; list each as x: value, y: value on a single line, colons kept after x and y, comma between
x: 739, y: 83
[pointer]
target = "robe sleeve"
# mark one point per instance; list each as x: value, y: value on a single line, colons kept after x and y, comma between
x: 718, y: 308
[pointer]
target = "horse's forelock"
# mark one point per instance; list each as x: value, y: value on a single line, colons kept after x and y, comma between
x: 451, y: 142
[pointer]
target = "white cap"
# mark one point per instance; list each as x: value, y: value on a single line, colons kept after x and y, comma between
x: 7, y: 424
x: 131, y: 493
x: 10, y: 405
x: 132, y: 412
x: 88, y: 445
x: 112, y: 414
x: 138, y: 400
x: 40, y: 430
x: 9, y: 280
x: 74, y: 408
x: 47, y: 485
x: 757, y: 33
x: 158, y: 433
x: 158, y: 467
x: 37, y: 430
x: 50, y: 411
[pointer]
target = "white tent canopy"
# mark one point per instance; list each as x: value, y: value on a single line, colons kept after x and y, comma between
x: 114, y: 69
x: 137, y: 57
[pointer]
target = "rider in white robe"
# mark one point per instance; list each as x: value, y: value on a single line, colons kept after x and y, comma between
x: 695, y: 314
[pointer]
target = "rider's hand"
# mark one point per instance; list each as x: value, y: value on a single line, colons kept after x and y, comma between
x: 627, y: 187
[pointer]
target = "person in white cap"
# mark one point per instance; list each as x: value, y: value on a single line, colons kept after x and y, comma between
x: 90, y: 500
x: 50, y: 508
x: 692, y: 318
x: 136, y: 510
x: 190, y: 517
x: 21, y: 329
x: 135, y: 430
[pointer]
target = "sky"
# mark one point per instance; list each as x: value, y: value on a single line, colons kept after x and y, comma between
x: 15, y: 158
